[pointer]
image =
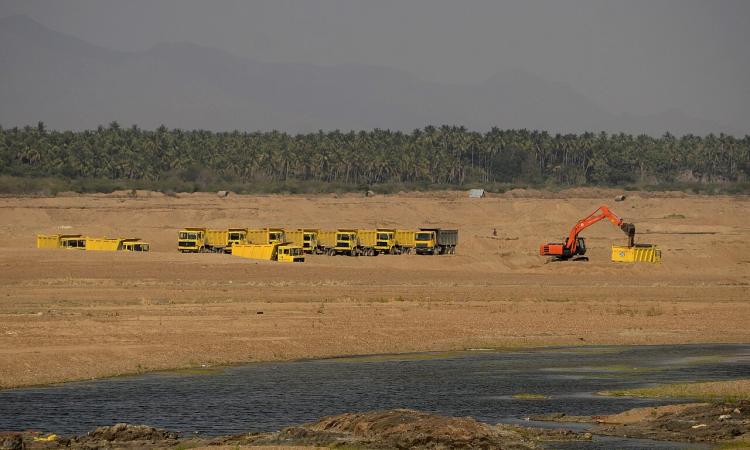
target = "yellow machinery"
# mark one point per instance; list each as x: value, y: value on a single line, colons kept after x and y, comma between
x: 254, y: 251
x: 73, y: 241
x: 405, y: 240
x: 424, y: 242
x: 636, y: 253
x: 78, y: 242
x: 103, y: 244
x: 289, y: 253
x: 191, y: 240
x: 347, y: 243
x: 340, y: 242
x: 265, y: 236
x: 380, y: 241
x: 269, y: 252
x: 296, y: 237
x: 222, y: 240
x: 327, y: 241
x: 309, y: 240
x: 306, y: 238
x: 368, y: 239
x: 47, y: 241
x: 435, y: 241
x: 135, y: 245
x: 116, y: 244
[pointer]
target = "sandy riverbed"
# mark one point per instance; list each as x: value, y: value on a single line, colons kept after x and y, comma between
x: 73, y: 315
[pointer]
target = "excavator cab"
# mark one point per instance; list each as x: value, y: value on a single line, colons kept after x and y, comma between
x: 580, y: 247
x: 564, y: 251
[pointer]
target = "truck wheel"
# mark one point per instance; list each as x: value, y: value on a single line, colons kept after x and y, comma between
x: 331, y: 252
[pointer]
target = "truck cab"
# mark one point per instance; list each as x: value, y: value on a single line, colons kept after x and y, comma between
x: 73, y: 242
x: 309, y: 241
x: 191, y: 240
x: 235, y: 236
x: 275, y: 236
x: 436, y: 241
x: 347, y: 243
x: 425, y: 242
x: 289, y: 253
x: 135, y: 246
x: 386, y: 242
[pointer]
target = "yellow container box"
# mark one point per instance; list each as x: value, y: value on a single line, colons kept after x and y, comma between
x: 103, y: 244
x: 405, y: 238
x: 638, y: 253
x: 327, y: 238
x: 255, y: 251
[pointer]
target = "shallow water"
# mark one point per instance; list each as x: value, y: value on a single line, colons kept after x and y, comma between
x: 269, y: 396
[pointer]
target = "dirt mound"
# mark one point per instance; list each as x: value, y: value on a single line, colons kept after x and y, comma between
x: 11, y: 441
x: 698, y: 423
x: 692, y: 422
x: 123, y: 432
x: 405, y: 428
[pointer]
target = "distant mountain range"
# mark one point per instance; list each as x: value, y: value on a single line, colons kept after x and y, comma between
x: 71, y: 84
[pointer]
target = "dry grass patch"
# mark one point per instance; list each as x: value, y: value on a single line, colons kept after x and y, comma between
x: 732, y: 390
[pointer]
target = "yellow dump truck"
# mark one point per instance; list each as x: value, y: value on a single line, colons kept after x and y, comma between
x: 192, y: 240
x: 327, y: 241
x: 270, y: 252
x: 78, y: 242
x: 347, y: 243
x: 435, y: 241
x: 306, y: 238
x: 221, y: 241
x: 380, y: 241
x: 71, y: 241
x: 343, y: 242
x: 637, y: 253
x: 116, y: 244
x: 135, y: 245
x: 405, y: 240
x: 265, y: 236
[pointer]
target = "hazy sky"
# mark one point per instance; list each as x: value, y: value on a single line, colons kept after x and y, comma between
x: 634, y: 56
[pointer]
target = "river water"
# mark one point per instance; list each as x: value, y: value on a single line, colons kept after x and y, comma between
x: 481, y: 384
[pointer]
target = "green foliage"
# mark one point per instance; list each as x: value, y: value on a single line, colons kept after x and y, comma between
x: 384, y: 161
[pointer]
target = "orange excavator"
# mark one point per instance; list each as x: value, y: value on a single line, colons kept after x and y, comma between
x: 574, y: 247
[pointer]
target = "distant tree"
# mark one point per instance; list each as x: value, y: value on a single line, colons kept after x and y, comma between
x: 445, y: 155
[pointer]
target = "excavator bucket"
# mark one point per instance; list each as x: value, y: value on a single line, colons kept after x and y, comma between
x: 629, y: 229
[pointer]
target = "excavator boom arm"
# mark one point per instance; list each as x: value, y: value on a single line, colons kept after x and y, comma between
x: 603, y: 212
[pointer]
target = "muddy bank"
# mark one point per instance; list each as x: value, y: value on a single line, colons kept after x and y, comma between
x: 398, y: 428
x: 410, y: 429
x: 691, y: 422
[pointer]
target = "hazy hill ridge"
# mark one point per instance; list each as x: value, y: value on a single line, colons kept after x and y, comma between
x: 71, y: 84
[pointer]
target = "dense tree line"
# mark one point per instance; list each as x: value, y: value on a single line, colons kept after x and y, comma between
x: 447, y: 155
